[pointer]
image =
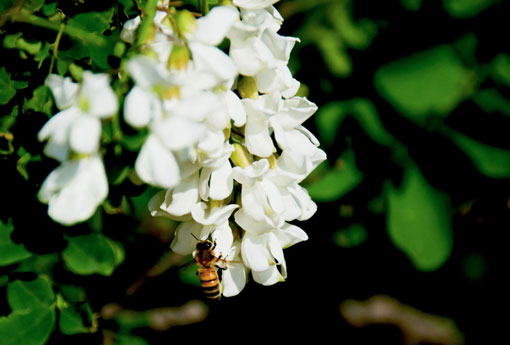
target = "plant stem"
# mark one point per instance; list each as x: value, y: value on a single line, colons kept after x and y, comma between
x: 55, y: 47
x: 149, y: 12
x: 24, y: 16
x: 204, y: 7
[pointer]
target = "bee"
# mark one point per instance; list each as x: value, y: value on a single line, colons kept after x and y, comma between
x: 208, y: 265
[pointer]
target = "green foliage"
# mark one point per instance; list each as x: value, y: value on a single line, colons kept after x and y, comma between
x: 432, y: 82
x: 491, y: 161
x: 33, y: 313
x: 93, y: 253
x: 419, y: 221
x: 7, y: 90
x: 466, y: 8
x: 336, y: 181
x: 9, y: 251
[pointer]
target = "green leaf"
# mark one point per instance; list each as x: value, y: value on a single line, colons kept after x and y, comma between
x: 359, y: 34
x: 328, y: 118
x: 466, y: 8
x: 419, y: 221
x: 491, y: 161
x: 501, y: 69
x: 366, y: 114
x: 89, y: 254
x: 351, y: 236
x: 411, y: 5
x: 124, y: 339
x: 7, y: 90
x: 337, y: 181
x: 27, y: 327
x: 41, y: 101
x: 33, y: 313
x: 491, y: 101
x: 30, y: 295
x: 71, y: 320
x: 93, y: 21
x: 331, y: 47
x: 10, y: 252
x: 432, y: 82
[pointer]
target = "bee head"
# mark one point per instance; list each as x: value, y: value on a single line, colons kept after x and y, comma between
x: 204, y: 245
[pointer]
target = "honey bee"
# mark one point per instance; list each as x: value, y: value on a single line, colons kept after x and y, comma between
x: 208, y: 265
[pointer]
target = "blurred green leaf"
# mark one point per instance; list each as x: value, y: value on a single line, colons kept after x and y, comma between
x: 466, y: 8
x: 71, y: 319
x: 337, y: 181
x: 491, y: 161
x: 358, y: 34
x: 93, y: 21
x: 331, y: 47
x: 501, y: 69
x: 124, y: 339
x: 411, y: 5
x: 41, y: 101
x: 491, y: 101
x: 89, y: 254
x: 49, y: 9
x: 366, y: 114
x: 351, y: 236
x: 419, y: 221
x: 328, y: 118
x: 42, y: 264
x: 33, y: 314
x: 7, y: 90
x: 432, y: 82
x: 188, y: 274
x: 31, y: 294
x: 10, y: 252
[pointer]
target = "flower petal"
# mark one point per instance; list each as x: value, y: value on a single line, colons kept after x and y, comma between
x: 254, y: 252
x: 185, y: 242
x: 183, y: 197
x: 85, y: 134
x: 63, y: 89
x: 254, y: 4
x: 212, y: 28
x: 141, y: 106
x: 96, y: 90
x: 222, y: 183
x: 156, y: 165
x: 224, y: 238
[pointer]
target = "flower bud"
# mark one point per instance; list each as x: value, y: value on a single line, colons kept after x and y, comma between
x: 179, y: 58
x: 240, y: 156
x: 185, y: 22
x: 247, y: 87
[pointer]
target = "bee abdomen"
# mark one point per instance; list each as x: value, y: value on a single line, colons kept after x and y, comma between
x: 210, y: 282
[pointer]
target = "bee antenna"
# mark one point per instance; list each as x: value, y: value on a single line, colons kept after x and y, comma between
x: 192, y: 234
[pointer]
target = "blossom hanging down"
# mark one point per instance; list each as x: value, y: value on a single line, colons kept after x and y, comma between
x: 241, y: 163
x: 79, y: 185
x: 225, y: 136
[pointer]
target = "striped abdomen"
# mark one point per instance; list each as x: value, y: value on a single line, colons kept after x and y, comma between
x: 210, y: 282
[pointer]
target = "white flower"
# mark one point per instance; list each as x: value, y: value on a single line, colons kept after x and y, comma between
x: 74, y: 190
x: 78, y: 126
x: 233, y: 279
x: 254, y: 4
x: 213, y: 223
x: 261, y: 199
x: 263, y: 253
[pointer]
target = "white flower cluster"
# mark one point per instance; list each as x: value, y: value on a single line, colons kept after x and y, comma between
x: 78, y: 186
x: 226, y: 138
